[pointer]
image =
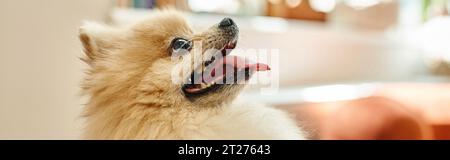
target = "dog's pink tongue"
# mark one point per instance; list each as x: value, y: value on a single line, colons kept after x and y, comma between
x: 244, y: 63
x: 240, y: 63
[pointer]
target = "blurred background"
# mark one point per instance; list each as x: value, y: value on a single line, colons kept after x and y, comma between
x: 349, y: 69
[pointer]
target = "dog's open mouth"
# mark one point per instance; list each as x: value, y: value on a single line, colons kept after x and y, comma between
x: 218, y: 72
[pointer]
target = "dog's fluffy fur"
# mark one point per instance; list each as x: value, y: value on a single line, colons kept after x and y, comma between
x: 132, y: 95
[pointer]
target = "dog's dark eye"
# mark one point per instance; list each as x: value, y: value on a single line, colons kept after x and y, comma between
x: 180, y: 44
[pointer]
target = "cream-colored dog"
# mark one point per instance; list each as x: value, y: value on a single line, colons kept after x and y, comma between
x: 134, y: 95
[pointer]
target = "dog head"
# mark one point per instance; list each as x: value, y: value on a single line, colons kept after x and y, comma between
x: 162, y: 62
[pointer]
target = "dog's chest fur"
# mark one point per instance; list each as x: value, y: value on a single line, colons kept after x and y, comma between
x: 235, y: 121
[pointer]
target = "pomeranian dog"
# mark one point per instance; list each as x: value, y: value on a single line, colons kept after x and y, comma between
x: 133, y: 95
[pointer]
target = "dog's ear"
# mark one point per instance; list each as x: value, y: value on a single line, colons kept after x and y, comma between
x: 98, y: 40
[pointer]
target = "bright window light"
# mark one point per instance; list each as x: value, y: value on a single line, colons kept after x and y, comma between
x: 323, y: 5
x: 362, y: 4
x: 229, y: 6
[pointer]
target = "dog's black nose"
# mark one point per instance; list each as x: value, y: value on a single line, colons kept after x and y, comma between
x: 226, y: 22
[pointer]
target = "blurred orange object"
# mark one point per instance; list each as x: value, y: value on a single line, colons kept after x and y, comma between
x: 396, y: 111
x: 372, y: 118
x: 432, y: 101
